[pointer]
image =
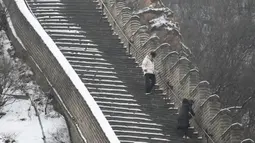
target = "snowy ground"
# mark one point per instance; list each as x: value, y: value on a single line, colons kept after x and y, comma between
x: 20, y: 124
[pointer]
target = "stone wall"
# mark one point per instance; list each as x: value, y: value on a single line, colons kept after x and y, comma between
x: 174, y: 67
x: 81, y: 112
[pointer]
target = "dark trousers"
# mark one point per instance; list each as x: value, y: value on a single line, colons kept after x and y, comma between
x: 185, y: 131
x: 150, y: 81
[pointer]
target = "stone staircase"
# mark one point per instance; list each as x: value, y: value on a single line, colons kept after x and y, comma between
x: 114, y: 79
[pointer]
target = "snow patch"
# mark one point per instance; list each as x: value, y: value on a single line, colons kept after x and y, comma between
x: 194, y: 70
x: 211, y: 96
x: 234, y: 107
x: 236, y: 124
x: 20, y: 122
x: 248, y: 140
x: 184, y: 58
x: 215, y: 95
x: 225, y: 109
x: 204, y: 82
x: 151, y: 9
x: 162, y: 21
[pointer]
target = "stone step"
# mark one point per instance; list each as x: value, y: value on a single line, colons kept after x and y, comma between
x: 95, y: 55
x: 65, y: 19
x: 139, y: 133
x: 97, y: 14
x: 64, y: 9
x: 118, y: 104
x: 62, y: 24
x: 109, y: 90
x: 61, y: 4
x: 53, y: 1
x: 122, y: 109
x: 136, y: 128
x: 134, y: 123
x: 116, y: 63
x: 58, y: 23
x: 61, y: 28
x: 139, y: 139
x: 67, y: 32
x: 57, y: 35
x: 58, y: 18
x: 92, y: 50
x: 125, y: 114
x: 94, y: 63
x: 114, y: 99
x: 113, y: 86
x: 106, y: 68
x: 129, y: 118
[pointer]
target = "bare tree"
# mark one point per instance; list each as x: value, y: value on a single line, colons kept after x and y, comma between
x: 221, y: 37
x: 13, y: 73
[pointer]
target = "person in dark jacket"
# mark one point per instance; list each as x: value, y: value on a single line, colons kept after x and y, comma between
x: 184, y: 117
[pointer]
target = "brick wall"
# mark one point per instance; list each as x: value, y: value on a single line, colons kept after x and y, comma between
x: 176, y: 69
x: 83, y: 122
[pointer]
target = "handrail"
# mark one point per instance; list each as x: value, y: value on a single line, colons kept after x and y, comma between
x: 132, y: 45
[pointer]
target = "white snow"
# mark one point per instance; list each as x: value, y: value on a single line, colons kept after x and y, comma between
x: 235, y: 107
x: 184, y: 58
x: 211, y: 96
x: 162, y: 21
x: 246, y: 140
x: 192, y: 70
x: 69, y: 71
x: 20, y: 123
x: 147, y: 9
x: 225, y: 109
x: 185, y: 47
x: 204, y: 82
x: 215, y: 95
x: 236, y: 124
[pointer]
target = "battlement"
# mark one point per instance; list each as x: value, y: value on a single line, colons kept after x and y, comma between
x: 155, y: 29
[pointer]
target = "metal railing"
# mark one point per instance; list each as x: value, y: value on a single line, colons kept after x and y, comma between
x: 132, y: 46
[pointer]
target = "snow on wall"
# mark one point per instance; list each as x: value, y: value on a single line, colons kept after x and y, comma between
x: 248, y: 140
x: 150, y: 9
x: 69, y: 71
x: 162, y: 21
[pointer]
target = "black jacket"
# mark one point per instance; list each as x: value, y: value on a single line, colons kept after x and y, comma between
x: 184, y: 115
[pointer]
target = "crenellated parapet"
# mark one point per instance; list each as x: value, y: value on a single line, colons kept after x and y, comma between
x: 154, y: 29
